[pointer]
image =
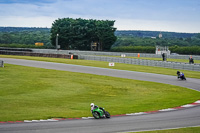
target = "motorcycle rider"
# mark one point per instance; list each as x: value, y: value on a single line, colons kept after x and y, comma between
x: 95, y: 106
x: 180, y: 75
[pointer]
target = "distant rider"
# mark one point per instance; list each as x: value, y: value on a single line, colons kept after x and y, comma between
x: 180, y: 75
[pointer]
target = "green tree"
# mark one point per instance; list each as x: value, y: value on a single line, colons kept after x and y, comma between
x: 80, y: 33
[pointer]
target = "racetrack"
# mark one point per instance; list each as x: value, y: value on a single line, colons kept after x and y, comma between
x: 162, y: 120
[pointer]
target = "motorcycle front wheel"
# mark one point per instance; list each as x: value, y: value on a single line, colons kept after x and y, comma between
x: 96, y: 115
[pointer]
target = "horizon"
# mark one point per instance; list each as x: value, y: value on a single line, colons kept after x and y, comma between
x: 116, y: 30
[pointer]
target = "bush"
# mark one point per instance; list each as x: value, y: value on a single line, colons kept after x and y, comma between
x: 134, y: 49
x: 193, y: 50
x: 26, y: 46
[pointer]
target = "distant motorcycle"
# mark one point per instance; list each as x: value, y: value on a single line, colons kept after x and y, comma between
x: 181, y: 75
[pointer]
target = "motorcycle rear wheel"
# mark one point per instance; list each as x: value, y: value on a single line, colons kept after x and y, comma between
x: 107, y: 114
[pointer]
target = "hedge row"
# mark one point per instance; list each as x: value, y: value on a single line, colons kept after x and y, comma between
x: 134, y: 49
x: 192, y: 50
x: 26, y: 46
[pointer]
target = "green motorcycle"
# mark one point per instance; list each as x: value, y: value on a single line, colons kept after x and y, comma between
x: 100, y: 113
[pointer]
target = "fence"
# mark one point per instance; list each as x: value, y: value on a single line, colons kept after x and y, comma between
x: 173, y: 65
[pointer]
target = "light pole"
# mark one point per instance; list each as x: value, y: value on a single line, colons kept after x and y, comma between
x: 57, y: 46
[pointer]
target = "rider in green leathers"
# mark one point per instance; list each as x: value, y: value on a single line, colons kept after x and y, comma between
x: 95, y: 106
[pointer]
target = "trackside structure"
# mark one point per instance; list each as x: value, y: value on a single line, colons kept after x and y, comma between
x: 162, y: 50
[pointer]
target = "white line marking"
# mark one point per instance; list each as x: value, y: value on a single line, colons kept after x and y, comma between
x: 187, y: 106
x: 85, y: 118
x: 130, y: 114
x: 27, y: 121
x: 35, y: 121
x: 43, y: 120
x: 197, y: 101
x: 51, y: 120
x: 169, y: 109
x: 140, y: 113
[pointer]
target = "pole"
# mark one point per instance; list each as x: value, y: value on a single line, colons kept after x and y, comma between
x: 57, y: 41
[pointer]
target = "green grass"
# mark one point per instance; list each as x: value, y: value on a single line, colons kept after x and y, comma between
x: 180, y: 130
x: 36, y: 93
x: 120, y: 66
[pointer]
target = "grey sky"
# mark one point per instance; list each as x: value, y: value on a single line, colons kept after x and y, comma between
x: 156, y: 15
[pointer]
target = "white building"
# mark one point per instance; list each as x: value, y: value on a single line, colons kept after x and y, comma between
x: 160, y: 35
x: 162, y: 49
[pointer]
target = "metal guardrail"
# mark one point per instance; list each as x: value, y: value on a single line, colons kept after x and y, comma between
x: 22, y: 53
x: 77, y: 52
x: 173, y: 65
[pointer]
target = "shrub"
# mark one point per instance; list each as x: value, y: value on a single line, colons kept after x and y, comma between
x: 134, y: 49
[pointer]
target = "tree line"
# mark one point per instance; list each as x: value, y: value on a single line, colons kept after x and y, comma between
x: 147, y: 45
x: 31, y: 37
x: 139, y: 41
x: 78, y: 34
x: 149, y: 34
x: 28, y: 36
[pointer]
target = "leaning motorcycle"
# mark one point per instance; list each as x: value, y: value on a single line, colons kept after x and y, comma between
x: 100, y: 113
x: 182, y: 76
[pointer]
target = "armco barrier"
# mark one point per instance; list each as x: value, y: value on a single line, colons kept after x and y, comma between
x: 77, y: 52
x: 37, y: 54
x: 173, y: 65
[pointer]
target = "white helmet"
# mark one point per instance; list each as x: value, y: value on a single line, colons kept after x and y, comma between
x: 92, y: 104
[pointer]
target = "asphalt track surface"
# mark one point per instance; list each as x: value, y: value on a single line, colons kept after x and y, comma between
x: 162, y: 120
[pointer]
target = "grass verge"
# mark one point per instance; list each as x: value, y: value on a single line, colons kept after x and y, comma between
x: 36, y: 93
x: 120, y: 66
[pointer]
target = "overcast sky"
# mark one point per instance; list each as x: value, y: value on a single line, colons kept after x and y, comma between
x: 155, y: 15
